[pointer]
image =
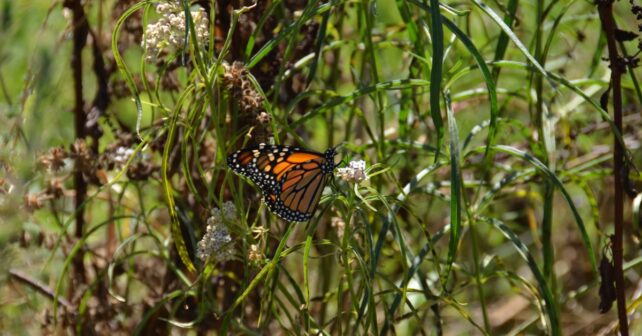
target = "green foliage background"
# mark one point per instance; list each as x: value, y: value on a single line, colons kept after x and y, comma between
x: 489, y: 201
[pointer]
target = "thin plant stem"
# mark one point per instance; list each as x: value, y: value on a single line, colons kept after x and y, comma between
x: 605, y: 10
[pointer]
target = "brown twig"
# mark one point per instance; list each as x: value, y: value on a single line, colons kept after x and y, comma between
x: 101, y: 99
x: 40, y: 287
x: 80, y: 32
x: 605, y: 10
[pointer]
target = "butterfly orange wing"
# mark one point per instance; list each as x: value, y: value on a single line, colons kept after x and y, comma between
x: 291, y: 179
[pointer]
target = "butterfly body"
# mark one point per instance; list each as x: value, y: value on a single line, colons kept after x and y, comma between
x: 291, y: 179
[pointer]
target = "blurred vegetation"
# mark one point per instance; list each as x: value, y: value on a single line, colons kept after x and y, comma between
x: 486, y: 127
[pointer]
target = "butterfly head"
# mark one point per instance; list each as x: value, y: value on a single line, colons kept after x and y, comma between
x: 329, y: 155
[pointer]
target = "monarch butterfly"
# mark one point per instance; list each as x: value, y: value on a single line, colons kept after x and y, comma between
x: 291, y: 178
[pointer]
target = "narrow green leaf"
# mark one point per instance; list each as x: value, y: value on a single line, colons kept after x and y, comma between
x: 278, y: 254
x: 436, y: 72
x: 388, y: 85
x: 455, y: 189
x: 539, y: 277
x: 569, y: 200
x: 177, y: 235
x: 502, y: 40
x: 318, y: 49
x: 129, y: 79
x: 506, y: 29
x: 488, y: 78
x: 268, y: 47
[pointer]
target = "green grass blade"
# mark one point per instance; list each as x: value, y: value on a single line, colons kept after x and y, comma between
x: 555, y: 328
x: 455, y: 191
x: 502, y: 40
x: 436, y: 72
x: 569, y: 200
x: 122, y: 67
x: 506, y: 29
x: 295, y: 27
x: 176, y: 230
x: 339, y: 100
x: 278, y: 255
x: 481, y: 63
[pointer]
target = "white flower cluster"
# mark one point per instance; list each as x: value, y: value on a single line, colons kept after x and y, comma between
x: 167, y: 35
x: 217, y: 242
x: 355, y: 172
x: 122, y: 156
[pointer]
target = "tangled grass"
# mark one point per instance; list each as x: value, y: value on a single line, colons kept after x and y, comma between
x: 483, y: 128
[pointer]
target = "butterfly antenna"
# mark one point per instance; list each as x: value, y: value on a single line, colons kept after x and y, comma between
x: 340, y: 145
x: 336, y: 150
